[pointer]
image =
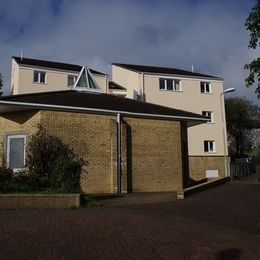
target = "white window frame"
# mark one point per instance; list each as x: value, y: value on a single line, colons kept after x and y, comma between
x: 38, y: 81
x: 72, y: 76
x: 13, y: 136
x: 165, y: 84
x: 208, y: 114
x: 205, y: 84
x: 209, y: 142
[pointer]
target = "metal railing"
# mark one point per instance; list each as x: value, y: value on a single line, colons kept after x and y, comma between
x: 241, y: 168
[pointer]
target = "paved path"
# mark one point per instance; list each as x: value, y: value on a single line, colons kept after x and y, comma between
x: 220, y: 223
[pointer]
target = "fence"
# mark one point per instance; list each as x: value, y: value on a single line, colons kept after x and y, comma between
x: 241, y: 168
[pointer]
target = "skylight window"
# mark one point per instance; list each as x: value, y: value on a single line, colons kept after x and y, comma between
x: 86, y: 82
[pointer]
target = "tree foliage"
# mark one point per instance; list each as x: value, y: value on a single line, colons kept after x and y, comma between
x: 1, y: 84
x: 240, y: 113
x: 252, y: 24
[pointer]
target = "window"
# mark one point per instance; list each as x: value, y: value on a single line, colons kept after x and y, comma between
x: 71, y: 80
x: 16, y: 146
x: 209, y: 146
x: 208, y: 114
x: 39, y: 77
x: 205, y: 87
x: 170, y: 84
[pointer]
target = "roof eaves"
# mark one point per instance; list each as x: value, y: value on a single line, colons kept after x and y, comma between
x: 104, y: 111
x: 200, y: 76
x: 125, y: 67
x: 53, y: 65
x: 186, y: 76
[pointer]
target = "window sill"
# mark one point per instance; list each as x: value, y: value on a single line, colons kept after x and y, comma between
x: 165, y: 90
x: 40, y: 83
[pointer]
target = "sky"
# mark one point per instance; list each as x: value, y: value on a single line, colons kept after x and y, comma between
x: 208, y: 34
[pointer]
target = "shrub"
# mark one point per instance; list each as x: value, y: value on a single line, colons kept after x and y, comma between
x: 65, y: 176
x: 43, y: 151
x: 23, y: 181
x: 5, y: 179
x: 256, y: 155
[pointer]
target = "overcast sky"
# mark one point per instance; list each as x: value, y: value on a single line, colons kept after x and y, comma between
x: 208, y: 34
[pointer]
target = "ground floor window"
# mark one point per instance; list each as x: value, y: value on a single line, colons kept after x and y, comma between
x: 16, y: 147
x: 209, y: 146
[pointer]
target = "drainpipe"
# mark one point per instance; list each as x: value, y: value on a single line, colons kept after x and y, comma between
x: 143, y: 90
x: 118, y: 149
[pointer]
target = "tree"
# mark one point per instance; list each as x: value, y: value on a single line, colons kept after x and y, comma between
x: 240, y: 115
x: 1, y: 84
x: 252, y: 24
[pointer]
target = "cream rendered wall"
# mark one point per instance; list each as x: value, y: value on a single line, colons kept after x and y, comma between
x: 102, y: 81
x: 14, y: 76
x: 22, y: 79
x: 190, y: 99
x: 126, y: 78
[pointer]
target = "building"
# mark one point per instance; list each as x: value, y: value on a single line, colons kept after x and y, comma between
x: 189, y: 91
x: 174, y: 88
x: 129, y: 145
x: 34, y: 76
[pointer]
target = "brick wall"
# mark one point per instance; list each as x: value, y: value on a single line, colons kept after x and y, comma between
x: 16, y: 123
x: 156, y: 155
x: 199, y: 164
x: 91, y: 137
x: 151, y: 149
x: 39, y: 201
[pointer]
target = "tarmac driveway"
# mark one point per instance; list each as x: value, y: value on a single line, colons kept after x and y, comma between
x: 221, y: 223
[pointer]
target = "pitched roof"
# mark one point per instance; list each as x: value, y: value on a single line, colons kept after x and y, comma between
x: 164, y: 70
x: 70, y: 100
x: 52, y: 64
x: 114, y: 85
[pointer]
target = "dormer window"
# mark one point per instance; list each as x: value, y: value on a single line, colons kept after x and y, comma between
x: 39, y: 77
x: 71, y: 80
x: 170, y: 84
x: 205, y: 87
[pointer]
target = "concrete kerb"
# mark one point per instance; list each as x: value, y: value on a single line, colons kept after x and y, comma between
x: 181, y: 194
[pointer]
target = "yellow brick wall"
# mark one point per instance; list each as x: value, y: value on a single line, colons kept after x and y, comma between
x: 199, y: 164
x: 16, y: 123
x: 91, y: 138
x: 151, y: 149
x: 156, y: 155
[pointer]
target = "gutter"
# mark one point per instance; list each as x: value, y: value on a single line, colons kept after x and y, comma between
x: 103, y: 111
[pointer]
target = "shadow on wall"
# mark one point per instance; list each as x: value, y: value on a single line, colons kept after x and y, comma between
x: 20, y: 117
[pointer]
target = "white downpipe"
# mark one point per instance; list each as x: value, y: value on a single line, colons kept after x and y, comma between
x: 118, y: 145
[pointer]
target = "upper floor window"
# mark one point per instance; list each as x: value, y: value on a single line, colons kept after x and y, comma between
x: 209, y: 146
x: 71, y: 80
x: 39, y: 77
x: 170, y: 84
x: 205, y: 87
x: 208, y: 114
